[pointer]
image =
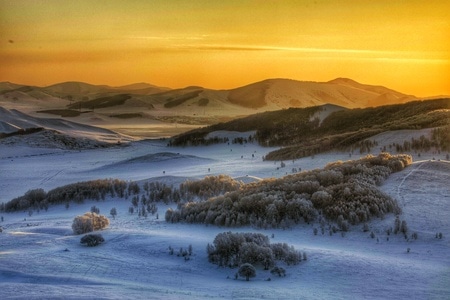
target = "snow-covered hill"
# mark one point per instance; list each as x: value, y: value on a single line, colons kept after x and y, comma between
x: 14, y: 122
x: 283, y: 93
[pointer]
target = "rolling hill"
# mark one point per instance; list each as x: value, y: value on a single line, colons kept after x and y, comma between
x: 17, y: 127
x: 308, y: 131
x: 285, y: 93
x: 270, y: 94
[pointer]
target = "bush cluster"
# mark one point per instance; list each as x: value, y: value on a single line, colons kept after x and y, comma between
x: 344, y: 191
x: 92, y: 240
x: 89, y: 222
x: 209, y: 186
x: 235, y: 249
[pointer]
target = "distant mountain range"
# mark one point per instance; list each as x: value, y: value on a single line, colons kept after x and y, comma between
x: 143, y: 110
x: 271, y: 94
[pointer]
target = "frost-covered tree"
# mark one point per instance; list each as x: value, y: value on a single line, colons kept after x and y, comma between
x: 253, y: 254
x: 404, y: 227
x: 113, y: 212
x: 89, y: 222
x: 234, y: 249
x: 397, y: 225
x: 280, y: 271
x: 92, y: 240
x: 247, y: 270
x: 95, y: 209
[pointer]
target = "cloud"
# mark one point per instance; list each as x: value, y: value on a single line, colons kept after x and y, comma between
x: 331, y: 53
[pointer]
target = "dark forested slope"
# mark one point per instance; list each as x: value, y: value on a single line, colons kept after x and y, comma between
x: 301, y: 131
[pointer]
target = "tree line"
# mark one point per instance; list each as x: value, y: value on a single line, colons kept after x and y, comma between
x: 141, y: 194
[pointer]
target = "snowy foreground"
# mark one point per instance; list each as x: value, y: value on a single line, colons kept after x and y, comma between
x: 40, y: 258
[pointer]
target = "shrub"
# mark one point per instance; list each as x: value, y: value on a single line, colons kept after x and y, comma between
x: 279, y: 271
x: 92, y: 240
x: 89, y: 222
x: 234, y: 249
x: 247, y: 270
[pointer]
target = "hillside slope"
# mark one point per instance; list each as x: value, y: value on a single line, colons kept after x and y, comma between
x: 308, y: 131
x: 285, y: 93
x: 18, y: 127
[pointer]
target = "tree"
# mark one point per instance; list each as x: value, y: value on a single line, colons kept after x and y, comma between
x: 280, y: 271
x: 365, y: 227
x: 92, y: 240
x: 396, y: 225
x: 95, y: 209
x: 113, y: 212
x: 89, y: 222
x: 247, y: 270
x: 404, y: 227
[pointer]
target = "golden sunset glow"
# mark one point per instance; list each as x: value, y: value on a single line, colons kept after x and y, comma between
x: 403, y: 45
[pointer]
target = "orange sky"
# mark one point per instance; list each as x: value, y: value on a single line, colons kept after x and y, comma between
x: 403, y: 45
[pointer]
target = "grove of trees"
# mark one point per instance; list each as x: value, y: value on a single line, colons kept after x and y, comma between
x: 76, y: 192
x: 235, y: 249
x: 342, y: 192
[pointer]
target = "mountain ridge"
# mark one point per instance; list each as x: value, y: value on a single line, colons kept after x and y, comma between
x: 271, y: 94
x: 142, y: 105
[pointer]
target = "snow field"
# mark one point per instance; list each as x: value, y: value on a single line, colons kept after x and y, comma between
x: 134, y: 262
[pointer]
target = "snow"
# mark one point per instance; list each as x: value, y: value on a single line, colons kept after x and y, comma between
x: 134, y: 262
x: 13, y: 120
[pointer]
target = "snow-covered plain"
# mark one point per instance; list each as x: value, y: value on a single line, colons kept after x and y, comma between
x: 134, y: 262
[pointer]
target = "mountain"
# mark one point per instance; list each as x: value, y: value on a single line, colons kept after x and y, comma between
x: 285, y: 93
x: 386, y: 95
x: 270, y: 94
x: 141, y: 88
x: 77, y: 89
x: 7, y: 86
x: 136, y: 86
x: 139, y: 104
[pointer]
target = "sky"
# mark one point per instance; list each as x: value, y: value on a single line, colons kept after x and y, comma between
x: 403, y: 45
